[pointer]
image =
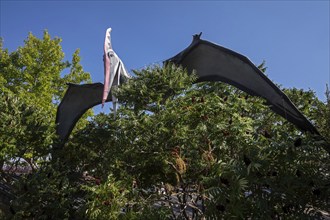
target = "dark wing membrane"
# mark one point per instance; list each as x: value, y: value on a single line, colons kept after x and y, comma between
x: 76, y: 101
x: 215, y: 63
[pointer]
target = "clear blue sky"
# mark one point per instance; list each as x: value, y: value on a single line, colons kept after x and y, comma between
x: 292, y: 36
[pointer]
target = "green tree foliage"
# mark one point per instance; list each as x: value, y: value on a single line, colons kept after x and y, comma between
x: 32, y: 82
x: 33, y: 71
x: 179, y: 150
x: 27, y: 131
x: 31, y: 85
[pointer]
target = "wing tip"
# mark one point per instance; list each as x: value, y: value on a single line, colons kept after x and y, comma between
x: 198, y: 36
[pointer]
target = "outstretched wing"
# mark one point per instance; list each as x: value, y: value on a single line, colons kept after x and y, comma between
x: 216, y: 63
x: 76, y: 101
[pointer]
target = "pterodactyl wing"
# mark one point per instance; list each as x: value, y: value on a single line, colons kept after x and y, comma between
x: 79, y: 98
x: 215, y: 63
x: 76, y: 101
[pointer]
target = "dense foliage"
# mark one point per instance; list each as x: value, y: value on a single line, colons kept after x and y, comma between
x: 207, y: 150
x: 31, y: 86
x: 32, y: 82
x: 174, y: 150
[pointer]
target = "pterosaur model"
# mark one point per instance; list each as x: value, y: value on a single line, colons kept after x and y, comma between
x: 211, y: 62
